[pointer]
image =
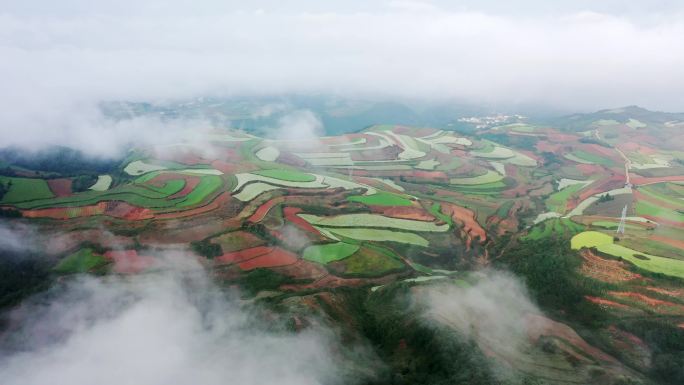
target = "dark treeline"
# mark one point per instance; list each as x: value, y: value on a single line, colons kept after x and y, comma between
x: 58, y: 161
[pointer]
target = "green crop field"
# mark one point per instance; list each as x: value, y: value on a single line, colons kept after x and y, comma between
x: 590, y: 158
x: 381, y: 199
x: 102, y: 184
x: 25, y: 189
x: 329, y: 252
x: 436, y: 210
x: 207, y: 185
x: 373, y: 220
x: 559, y: 226
x: 253, y: 190
x: 366, y: 234
x: 370, y: 264
x: 288, y: 175
x: 651, y: 209
x: 489, y: 177
x: 605, y: 244
x: 81, y: 261
x: 558, y: 201
x: 169, y: 188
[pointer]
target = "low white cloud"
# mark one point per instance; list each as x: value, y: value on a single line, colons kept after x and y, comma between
x: 59, y: 62
x: 297, y: 126
x: 172, y: 327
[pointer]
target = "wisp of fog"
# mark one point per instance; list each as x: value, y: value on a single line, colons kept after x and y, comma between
x: 169, y: 327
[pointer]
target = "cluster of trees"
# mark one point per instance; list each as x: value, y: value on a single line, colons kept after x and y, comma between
x: 4, y: 188
x: 60, y: 161
x: 550, y: 270
x: 82, y: 182
x: 21, y: 274
x: 206, y: 248
x: 606, y: 198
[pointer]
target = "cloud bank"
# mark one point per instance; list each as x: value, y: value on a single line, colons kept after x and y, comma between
x: 60, y: 61
x: 166, y: 328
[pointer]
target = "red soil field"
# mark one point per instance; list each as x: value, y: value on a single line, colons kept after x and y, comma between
x: 605, y: 270
x: 261, y: 212
x: 605, y: 302
x: 232, y: 168
x: 60, y: 187
x: 190, y: 183
x: 467, y: 219
x: 545, y: 146
x: 635, y: 147
x: 276, y: 257
x: 590, y: 169
x: 124, y: 210
x: 290, y: 214
x: 114, y: 209
x: 129, y: 262
x: 652, y: 302
x: 223, y: 198
x: 613, y: 182
x: 672, y: 293
x: 302, y: 270
x: 430, y: 175
x: 243, y: 255
x: 404, y: 212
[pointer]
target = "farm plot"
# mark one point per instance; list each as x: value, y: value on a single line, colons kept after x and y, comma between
x: 370, y: 262
x: 605, y: 244
x: 581, y: 156
x: 373, y: 220
x: 81, y: 261
x: 381, y: 199
x: 25, y: 189
x: 139, y: 167
x: 330, y: 252
x: 102, y: 184
x: 558, y: 201
x: 287, y: 175
x: 378, y: 235
x: 488, y: 177
x: 268, y: 154
x: 494, y: 151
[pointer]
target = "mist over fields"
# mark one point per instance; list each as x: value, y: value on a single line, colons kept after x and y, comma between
x: 341, y: 192
x: 61, y: 61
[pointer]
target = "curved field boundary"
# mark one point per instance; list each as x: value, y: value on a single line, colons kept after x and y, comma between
x: 60, y: 187
x: 286, y: 175
x: 330, y: 252
x: 605, y: 244
x: 268, y: 154
x: 25, y: 190
x: 373, y: 220
x: 264, y: 209
x: 489, y: 177
x: 139, y: 167
x: 102, y: 184
x: 381, y: 199
x: 497, y: 152
x: 379, y: 235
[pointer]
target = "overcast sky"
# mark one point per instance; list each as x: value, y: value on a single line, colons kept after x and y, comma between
x: 59, y: 58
